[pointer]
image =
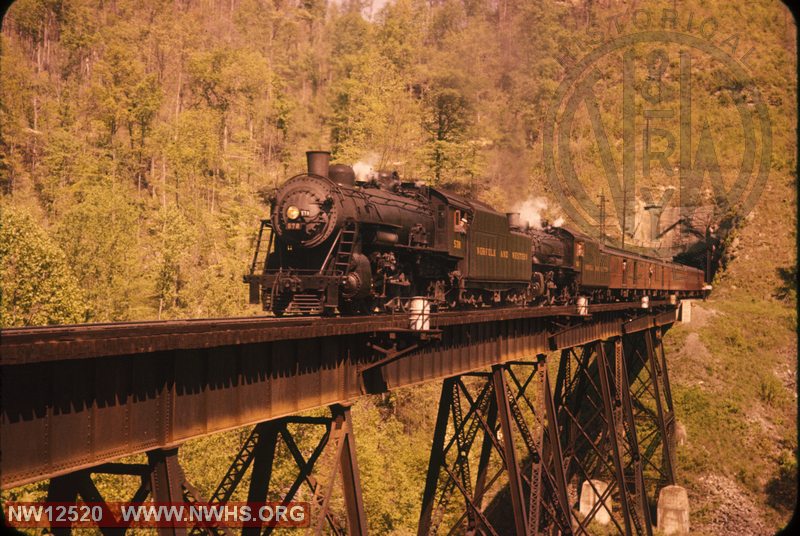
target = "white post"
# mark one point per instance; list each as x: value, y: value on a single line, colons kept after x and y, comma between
x: 673, y: 510
x: 590, y: 497
x: 420, y: 313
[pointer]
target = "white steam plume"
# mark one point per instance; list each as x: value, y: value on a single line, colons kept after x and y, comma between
x: 365, y: 166
x: 532, y: 211
x: 362, y: 170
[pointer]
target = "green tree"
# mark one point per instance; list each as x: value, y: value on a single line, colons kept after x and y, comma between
x: 98, y: 231
x: 175, y: 242
x: 446, y: 121
x: 38, y: 285
x: 374, y: 111
x: 116, y: 77
x: 190, y: 154
x: 60, y: 166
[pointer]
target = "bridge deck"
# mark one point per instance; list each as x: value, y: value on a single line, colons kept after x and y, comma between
x: 50, y: 343
x: 78, y: 396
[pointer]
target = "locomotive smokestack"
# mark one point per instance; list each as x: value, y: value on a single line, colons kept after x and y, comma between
x: 514, y: 221
x: 318, y: 162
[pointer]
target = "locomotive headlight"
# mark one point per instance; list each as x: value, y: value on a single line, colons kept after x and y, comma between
x: 292, y: 212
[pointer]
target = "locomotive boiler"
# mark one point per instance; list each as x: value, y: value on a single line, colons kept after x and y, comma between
x: 334, y: 244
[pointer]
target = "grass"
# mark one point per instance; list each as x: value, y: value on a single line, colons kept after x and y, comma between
x: 738, y: 414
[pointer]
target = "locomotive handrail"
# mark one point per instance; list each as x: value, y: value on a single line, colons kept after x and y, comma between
x: 265, y: 224
x: 330, y: 251
x: 257, y: 248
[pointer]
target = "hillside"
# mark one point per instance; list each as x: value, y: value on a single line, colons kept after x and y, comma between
x: 734, y: 376
x: 140, y: 142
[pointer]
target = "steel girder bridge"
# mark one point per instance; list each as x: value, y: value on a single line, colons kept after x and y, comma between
x: 512, y: 447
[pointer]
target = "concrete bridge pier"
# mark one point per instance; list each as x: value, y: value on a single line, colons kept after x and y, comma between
x: 673, y: 510
x: 596, y: 501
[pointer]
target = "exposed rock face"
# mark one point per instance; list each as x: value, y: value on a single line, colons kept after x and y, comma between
x: 734, y: 511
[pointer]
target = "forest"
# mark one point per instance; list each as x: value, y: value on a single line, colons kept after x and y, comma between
x: 140, y: 142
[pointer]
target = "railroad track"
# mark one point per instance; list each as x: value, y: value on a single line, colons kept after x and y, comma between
x: 52, y: 343
x: 81, y: 395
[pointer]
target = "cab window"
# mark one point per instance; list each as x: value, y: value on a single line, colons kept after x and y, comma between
x: 459, y: 226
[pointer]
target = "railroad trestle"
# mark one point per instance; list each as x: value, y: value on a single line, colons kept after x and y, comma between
x: 512, y: 451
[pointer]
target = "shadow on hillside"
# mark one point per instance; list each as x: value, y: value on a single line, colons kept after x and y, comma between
x: 782, y: 489
x: 788, y: 287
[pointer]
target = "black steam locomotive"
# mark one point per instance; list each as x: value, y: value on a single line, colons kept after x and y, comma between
x: 335, y: 244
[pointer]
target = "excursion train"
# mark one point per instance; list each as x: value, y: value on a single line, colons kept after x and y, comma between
x: 338, y: 245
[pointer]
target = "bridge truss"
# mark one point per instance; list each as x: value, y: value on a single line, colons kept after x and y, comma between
x: 513, y: 451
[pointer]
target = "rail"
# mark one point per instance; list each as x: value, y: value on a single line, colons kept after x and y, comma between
x: 52, y: 343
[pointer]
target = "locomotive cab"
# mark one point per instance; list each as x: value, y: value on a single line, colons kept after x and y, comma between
x: 453, y: 217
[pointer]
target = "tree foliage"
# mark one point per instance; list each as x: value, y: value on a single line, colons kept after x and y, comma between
x: 140, y: 142
x: 38, y: 286
x: 183, y: 109
x: 98, y: 230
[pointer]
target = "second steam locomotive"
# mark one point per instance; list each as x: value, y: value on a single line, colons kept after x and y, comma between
x: 337, y: 245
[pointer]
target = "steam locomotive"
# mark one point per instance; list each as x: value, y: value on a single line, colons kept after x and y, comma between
x: 335, y: 244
